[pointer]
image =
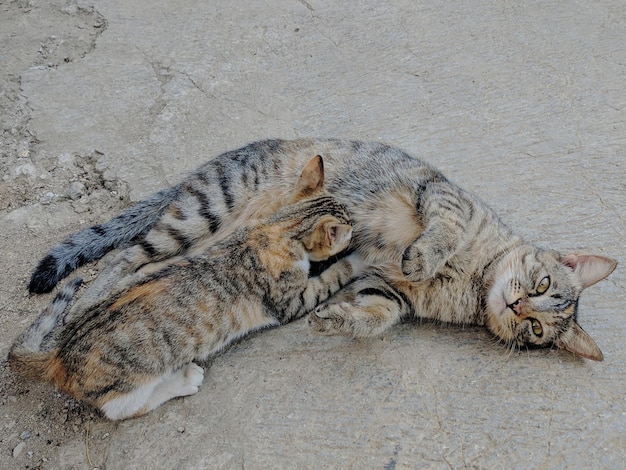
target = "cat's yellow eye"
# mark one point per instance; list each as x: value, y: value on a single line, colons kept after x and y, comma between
x: 537, y: 329
x: 543, y: 286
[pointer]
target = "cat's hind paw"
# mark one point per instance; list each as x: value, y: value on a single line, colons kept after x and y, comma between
x: 192, y: 375
x: 369, y: 314
x: 330, y: 319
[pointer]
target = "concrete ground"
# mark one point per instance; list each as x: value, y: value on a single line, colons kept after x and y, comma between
x: 102, y: 103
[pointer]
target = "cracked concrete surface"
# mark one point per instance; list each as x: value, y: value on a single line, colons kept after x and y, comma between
x: 521, y: 102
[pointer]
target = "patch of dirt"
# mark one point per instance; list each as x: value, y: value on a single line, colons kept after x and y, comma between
x: 43, y: 198
x: 45, y: 34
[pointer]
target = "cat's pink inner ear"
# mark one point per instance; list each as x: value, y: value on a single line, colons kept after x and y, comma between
x: 331, y: 233
x: 589, y: 268
x: 312, y: 178
x: 580, y: 343
x: 337, y: 233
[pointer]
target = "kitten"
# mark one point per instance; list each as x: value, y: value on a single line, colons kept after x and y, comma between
x: 435, y: 251
x: 134, y: 351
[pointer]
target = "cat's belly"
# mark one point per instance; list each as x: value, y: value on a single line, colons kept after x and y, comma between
x: 385, y: 226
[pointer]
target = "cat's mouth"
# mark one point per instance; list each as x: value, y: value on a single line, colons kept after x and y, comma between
x: 497, y: 303
x: 505, y: 308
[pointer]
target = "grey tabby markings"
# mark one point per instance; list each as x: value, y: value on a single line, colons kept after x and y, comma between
x: 435, y: 250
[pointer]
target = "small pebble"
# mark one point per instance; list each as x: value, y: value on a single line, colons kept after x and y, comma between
x: 48, y: 198
x: 181, y: 429
x: 76, y: 190
x: 17, y: 450
x: 66, y: 160
x: 27, y: 169
x: 25, y: 435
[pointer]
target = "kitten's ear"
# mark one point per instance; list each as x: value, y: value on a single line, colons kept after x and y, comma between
x: 589, y: 268
x: 311, y: 180
x: 338, y: 234
x: 575, y: 340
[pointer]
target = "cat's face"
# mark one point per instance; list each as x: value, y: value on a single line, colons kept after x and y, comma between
x: 534, y: 298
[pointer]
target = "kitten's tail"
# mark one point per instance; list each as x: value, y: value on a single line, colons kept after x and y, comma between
x: 94, y: 242
x: 29, y: 355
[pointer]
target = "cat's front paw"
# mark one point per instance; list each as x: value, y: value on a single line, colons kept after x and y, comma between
x: 357, y: 263
x: 330, y: 319
x: 416, y: 266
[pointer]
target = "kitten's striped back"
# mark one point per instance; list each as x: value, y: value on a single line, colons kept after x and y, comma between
x: 131, y: 352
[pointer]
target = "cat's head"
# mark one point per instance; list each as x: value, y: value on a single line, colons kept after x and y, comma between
x: 323, y: 223
x: 534, y: 298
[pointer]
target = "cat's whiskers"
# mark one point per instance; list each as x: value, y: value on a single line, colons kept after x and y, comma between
x: 511, y: 347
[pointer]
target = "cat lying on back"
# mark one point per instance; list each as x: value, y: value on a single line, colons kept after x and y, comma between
x: 435, y: 251
x: 134, y: 351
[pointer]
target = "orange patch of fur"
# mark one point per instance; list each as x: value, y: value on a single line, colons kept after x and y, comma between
x: 270, y: 252
x: 142, y: 292
x: 56, y: 372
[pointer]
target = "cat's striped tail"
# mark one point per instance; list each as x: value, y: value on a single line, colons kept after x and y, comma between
x: 29, y: 355
x: 95, y: 242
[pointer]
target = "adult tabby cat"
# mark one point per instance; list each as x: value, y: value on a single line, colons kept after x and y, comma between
x: 435, y: 251
x: 133, y: 351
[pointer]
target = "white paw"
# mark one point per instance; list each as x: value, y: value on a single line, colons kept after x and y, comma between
x: 194, y: 374
x: 189, y: 378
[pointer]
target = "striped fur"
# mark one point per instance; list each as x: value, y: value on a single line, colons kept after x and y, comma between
x: 130, y: 353
x: 435, y: 250
x: 93, y: 243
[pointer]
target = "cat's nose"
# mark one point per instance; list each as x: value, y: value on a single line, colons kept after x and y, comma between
x: 516, y: 306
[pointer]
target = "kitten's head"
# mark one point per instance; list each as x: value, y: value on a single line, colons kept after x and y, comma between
x: 323, y: 223
x: 534, y: 298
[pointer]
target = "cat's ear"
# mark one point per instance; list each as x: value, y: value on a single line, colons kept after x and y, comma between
x: 338, y: 234
x: 311, y: 180
x: 589, y: 268
x: 575, y: 340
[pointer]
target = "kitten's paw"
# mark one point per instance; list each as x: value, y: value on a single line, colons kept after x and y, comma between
x: 357, y: 263
x: 193, y: 375
x: 330, y: 319
x: 415, y: 265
